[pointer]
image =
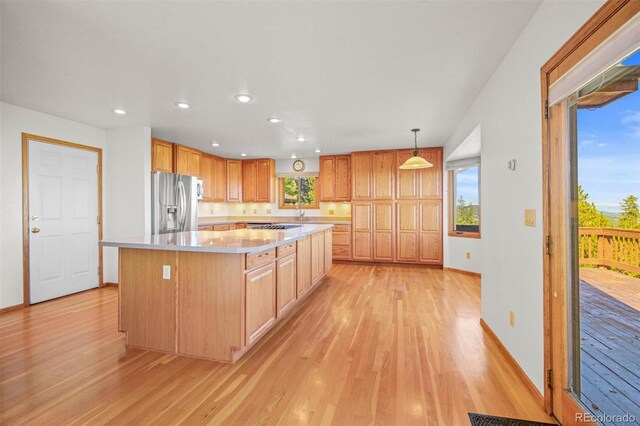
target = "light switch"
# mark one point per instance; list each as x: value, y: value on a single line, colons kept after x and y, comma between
x: 530, y: 217
x: 331, y: 212
x: 512, y: 319
x: 468, y: 255
x: 166, y: 272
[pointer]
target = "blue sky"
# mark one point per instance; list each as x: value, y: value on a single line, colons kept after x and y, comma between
x: 468, y: 185
x: 609, y: 150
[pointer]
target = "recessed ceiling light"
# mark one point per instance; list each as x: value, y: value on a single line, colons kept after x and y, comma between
x: 120, y: 111
x: 214, y: 143
x: 244, y: 154
x: 274, y: 120
x: 243, y: 98
x: 293, y: 156
x: 318, y: 150
x: 301, y: 139
x: 183, y: 105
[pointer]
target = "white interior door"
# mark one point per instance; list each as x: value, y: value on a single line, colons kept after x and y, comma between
x: 63, y: 220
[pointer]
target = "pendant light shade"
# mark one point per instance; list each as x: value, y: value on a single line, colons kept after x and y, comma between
x: 415, y: 162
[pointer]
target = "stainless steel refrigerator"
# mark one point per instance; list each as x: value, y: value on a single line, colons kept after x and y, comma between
x: 175, y: 203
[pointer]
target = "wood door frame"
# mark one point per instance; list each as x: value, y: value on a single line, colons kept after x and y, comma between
x: 26, y: 137
x: 606, y: 21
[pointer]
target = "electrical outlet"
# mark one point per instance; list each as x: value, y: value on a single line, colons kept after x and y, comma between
x: 530, y: 217
x: 468, y: 255
x: 255, y: 211
x: 331, y: 212
x: 166, y: 272
x: 512, y: 319
x: 244, y: 211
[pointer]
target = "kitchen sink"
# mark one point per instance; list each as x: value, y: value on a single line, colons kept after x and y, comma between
x: 276, y: 226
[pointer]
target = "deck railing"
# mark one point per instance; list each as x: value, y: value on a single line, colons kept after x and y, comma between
x: 611, y: 247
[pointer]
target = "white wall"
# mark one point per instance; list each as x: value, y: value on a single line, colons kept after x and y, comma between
x: 508, y: 108
x: 129, y: 191
x: 14, y: 121
x: 271, y: 209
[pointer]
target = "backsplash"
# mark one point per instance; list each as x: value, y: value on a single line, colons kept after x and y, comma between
x: 340, y: 209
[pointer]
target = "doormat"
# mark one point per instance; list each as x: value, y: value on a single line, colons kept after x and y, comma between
x: 486, y: 420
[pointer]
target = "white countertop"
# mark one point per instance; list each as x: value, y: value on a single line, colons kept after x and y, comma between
x: 237, y: 241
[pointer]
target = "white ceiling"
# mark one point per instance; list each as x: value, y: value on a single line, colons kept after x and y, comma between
x: 346, y: 75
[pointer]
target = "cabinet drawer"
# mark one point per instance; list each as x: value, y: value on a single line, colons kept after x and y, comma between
x: 241, y: 226
x: 341, y: 239
x: 205, y: 228
x: 286, y: 249
x: 341, y: 252
x: 341, y: 228
x: 260, y: 258
x: 221, y: 227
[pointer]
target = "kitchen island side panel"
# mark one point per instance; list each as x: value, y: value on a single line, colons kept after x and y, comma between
x: 211, y: 309
x: 147, y: 302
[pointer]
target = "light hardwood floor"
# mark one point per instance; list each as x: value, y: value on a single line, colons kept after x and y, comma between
x: 375, y: 344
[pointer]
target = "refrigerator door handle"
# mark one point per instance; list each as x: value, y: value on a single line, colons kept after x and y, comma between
x: 181, y: 206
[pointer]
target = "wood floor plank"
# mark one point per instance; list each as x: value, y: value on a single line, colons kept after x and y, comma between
x: 373, y: 345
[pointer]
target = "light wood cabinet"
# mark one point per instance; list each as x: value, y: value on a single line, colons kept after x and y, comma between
x: 161, y: 156
x: 328, y: 250
x: 341, y: 242
x: 423, y: 184
x: 317, y: 257
x: 234, y: 180
x: 335, y: 178
x: 361, y: 176
x: 258, y: 180
x: 430, y: 179
x: 249, y: 180
x: 187, y: 160
x: 212, y: 171
x: 304, y: 265
x: 407, y: 249
x: 286, y: 280
x: 383, y: 224
x: 430, y: 227
x: 260, y: 294
x: 361, y: 225
x: 383, y: 174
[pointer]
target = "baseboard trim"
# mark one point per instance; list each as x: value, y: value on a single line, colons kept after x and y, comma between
x: 110, y: 285
x: 11, y: 308
x: 462, y: 271
x: 519, y: 371
x: 369, y: 263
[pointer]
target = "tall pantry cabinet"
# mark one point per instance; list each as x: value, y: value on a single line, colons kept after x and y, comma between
x: 396, y: 214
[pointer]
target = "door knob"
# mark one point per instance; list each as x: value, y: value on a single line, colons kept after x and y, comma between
x: 35, y: 230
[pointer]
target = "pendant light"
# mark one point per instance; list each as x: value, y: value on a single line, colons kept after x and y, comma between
x: 415, y: 162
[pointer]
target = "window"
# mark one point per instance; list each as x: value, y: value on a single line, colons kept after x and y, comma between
x: 297, y: 191
x: 464, y: 202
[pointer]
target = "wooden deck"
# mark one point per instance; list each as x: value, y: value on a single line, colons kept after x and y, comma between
x: 610, y: 342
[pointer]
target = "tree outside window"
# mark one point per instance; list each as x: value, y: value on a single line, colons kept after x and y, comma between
x: 297, y: 191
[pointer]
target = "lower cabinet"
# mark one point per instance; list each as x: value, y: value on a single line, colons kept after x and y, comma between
x: 328, y: 250
x: 304, y: 265
x: 286, y: 280
x: 317, y: 257
x: 260, y: 302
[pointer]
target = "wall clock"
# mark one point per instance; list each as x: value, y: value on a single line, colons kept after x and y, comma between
x: 298, y: 165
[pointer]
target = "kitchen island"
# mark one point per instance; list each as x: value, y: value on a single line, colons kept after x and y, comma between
x: 212, y: 294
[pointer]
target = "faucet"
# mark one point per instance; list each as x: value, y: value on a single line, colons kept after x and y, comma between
x: 300, y: 212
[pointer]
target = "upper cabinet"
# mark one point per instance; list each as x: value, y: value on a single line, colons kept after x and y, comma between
x: 335, y: 178
x: 423, y: 184
x: 187, y: 160
x: 259, y: 180
x: 161, y: 156
x: 361, y: 175
x: 234, y: 180
x: 373, y: 175
x: 213, y: 174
